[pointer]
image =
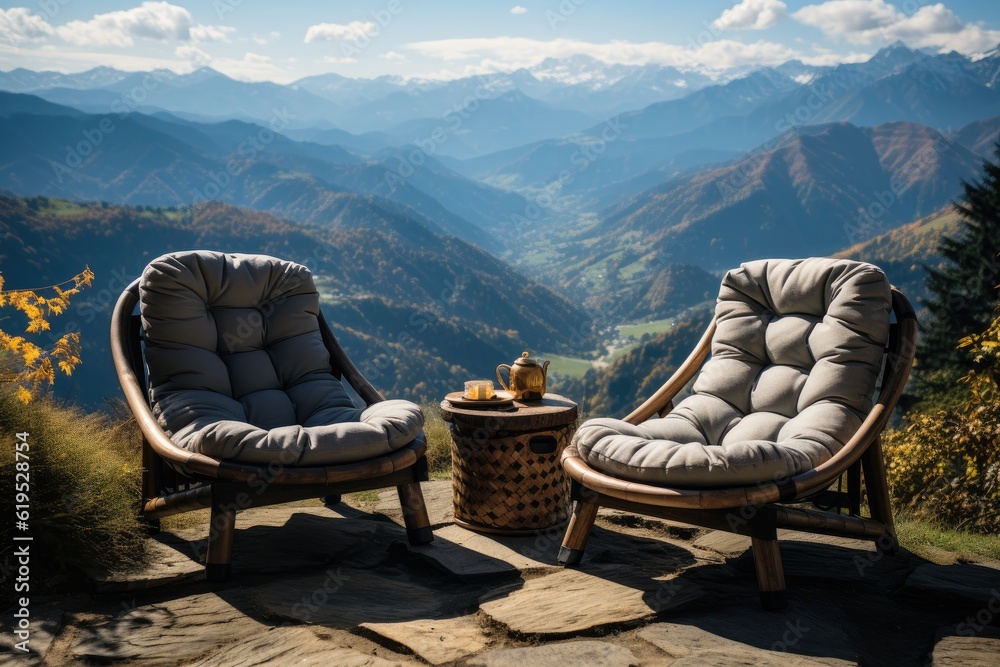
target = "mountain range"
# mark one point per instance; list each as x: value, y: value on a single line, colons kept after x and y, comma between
x: 57, y: 151
x: 420, y: 312
x: 818, y: 189
x: 569, y: 197
x: 945, y: 92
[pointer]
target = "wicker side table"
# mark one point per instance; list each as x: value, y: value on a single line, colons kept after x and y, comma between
x: 506, y: 474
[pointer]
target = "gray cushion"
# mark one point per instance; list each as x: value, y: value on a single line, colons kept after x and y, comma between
x: 238, y: 368
x: 794, y: 364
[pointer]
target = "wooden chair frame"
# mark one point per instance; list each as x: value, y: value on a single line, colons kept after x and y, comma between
x: 758, y: 511
x: 175, y: 480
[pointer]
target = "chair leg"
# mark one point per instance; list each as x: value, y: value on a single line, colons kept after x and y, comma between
x: 150, y: 486
x: 767, y: 561
x: 878, y: 496
x: 770, y: 574
x: 577, y: 533
x: 152, y: 525
x: 218, y: 562
x: 418, y: 524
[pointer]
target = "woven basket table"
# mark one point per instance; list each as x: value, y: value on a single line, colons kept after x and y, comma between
x: 506, y: 475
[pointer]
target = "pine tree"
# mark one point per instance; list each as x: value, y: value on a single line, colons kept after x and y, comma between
x: 963, y: 292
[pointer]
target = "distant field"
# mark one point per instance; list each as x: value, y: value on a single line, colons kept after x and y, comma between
x: 568, y: 366
x: 639, y: 330
x: 622, y: 351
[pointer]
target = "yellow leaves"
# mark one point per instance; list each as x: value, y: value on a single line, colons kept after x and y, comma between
x: 23, y: 395
x: 30, y: 353
x: 36, y: 364
x: 945, y: 465
x: 11, y: 343
x: 84, y: 279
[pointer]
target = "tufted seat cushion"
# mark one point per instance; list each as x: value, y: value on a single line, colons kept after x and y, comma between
x: 238, y: 368
x: 795, y: 359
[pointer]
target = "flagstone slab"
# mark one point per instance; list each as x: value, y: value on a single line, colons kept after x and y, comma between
x: 692, y: 646
x: 174, y: 630
x: 868, y: 626
x: 851, y: 562
x: 437, y: 498
x: 438, y: 641
x: 731, y: 544
x: 587, y: 652
x: 676, y: 529
x: 292, y: 646
x: 469, y: 555
x: 978, y: 648
x: 268, y: 539
x: 170, y: 559
x: 580, y: 600
x: 45, y: 624
x: 978, y: 584
x: 636, y: 547
x: 345, y: 598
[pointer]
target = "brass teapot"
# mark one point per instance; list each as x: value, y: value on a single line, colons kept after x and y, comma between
x: 526, y: 378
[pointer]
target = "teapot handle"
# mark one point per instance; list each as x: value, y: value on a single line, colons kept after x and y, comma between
x: 500, y: 379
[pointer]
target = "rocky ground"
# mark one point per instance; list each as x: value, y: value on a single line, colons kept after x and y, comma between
x: 340, y: 586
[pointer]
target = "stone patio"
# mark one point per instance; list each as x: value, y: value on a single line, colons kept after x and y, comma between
x: 341, y: 586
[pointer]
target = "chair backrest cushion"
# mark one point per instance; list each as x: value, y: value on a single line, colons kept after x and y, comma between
x: 238, y: 368
x: 795, y: 360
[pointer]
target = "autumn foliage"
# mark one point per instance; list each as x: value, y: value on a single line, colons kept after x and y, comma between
x: 944, y: 465
x: 33, y: 366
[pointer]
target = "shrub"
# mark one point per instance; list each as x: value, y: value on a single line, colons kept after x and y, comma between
x: 438, y: 441
x: 945, y: 464
x: 85, y: 474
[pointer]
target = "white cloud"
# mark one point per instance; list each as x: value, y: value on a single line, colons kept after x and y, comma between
x: 18, y: 24
x: 335, y: 32
x: 334, y: 60
x: 193, y: 55
x: 751, y: 15
x: 876, y: 22
x: 392, y: 55
x: 518, y: 9
x: 846, y: 17
x: 514, y: 52
x: 211, y: 33
x: 159, y: 21
x: 151, y: 20
x: 935, y: 26
x: 257, y: 39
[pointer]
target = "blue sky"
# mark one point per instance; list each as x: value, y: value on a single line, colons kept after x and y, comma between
x: 285, y: 40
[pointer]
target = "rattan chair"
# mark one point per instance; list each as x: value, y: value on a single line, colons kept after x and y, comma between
x: 759, y: 507
x: 179, y: 478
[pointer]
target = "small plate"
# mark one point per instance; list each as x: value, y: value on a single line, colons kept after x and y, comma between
x: 501, y: 399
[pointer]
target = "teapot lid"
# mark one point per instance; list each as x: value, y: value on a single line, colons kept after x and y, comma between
x: 525, y: 360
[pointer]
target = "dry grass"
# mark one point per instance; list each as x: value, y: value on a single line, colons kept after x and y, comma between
x: 84, y: 485
x: 438, y: 442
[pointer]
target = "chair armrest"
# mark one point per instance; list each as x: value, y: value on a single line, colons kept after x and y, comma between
x: 135, y: 394
x: 342, y: 363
